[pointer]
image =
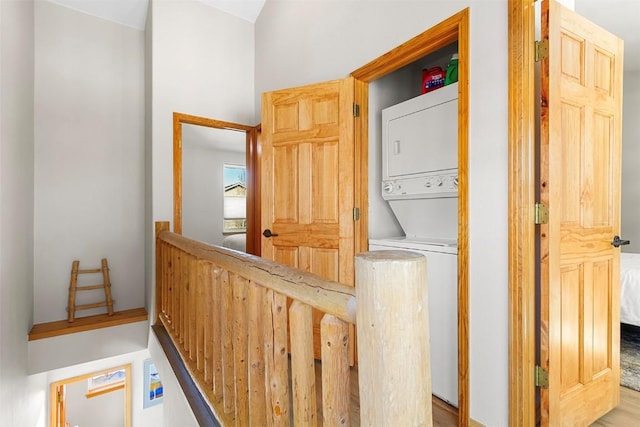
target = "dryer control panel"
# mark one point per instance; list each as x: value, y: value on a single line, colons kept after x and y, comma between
x: 440, y: 184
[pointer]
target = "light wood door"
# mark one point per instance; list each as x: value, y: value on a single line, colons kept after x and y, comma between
x: 307, y: 177
x: 580, y: 184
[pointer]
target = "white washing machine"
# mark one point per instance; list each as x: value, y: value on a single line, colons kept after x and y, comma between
x: 442, y: 289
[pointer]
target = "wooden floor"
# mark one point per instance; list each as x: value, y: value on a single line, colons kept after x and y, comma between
x: 444, y: 415
x: 626, y: 414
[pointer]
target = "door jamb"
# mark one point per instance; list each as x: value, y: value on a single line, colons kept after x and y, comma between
x: 522, y: 329
x: 446, y: 32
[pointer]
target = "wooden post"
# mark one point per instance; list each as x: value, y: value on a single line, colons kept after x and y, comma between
x: 393, y: 339
x: 160, y: 227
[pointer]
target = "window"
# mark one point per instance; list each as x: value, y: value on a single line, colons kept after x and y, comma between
x: 235, y: 199
x: 106, y: 382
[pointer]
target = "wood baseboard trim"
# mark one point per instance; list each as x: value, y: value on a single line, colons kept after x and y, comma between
x: 88, y: 323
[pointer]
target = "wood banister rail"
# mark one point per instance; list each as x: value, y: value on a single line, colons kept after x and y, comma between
x: 252, y: 358
x: 327, y: 296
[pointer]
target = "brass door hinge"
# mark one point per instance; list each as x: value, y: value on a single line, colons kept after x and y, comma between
x: 356, y: 214
x: 356, y: 110
x: 541, y: 49
x: 541, y: 214
x: 541, y: 377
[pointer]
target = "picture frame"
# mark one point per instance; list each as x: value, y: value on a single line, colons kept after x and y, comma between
x: 153, y: 390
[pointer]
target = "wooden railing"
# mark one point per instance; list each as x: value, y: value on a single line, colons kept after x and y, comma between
x: 226, y: 313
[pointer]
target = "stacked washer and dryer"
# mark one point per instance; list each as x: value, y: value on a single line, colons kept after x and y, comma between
x: 420, y: 183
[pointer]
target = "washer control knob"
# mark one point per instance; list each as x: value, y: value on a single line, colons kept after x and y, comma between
x: 438, y: 181
x: 455, y: 181
x: 388, y: 187
x: 428, y: 183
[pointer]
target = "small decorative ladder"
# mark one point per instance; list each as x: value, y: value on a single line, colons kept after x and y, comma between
x: 73, y: 288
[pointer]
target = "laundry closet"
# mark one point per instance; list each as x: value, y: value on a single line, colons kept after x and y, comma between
x: 413, y: 193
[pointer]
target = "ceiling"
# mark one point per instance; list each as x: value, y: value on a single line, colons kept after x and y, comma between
x: 133, y: 13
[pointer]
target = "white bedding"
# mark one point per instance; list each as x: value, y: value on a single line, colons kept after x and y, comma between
x: 236, y: 241
x: 630, y: 288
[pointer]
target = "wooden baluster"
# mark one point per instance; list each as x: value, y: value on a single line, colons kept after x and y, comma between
x: 226, y: 322
x: 162, y: 277
x: 208, y: 311
x: 257, y: 403
x: 169, y: 277
x: 177, y: 286
x: 240, y: 347
x: 202, y: 313
x: 276, y: 360
x: 183, y: 283
x: 302, y: 365
x: 192, y: 304
x: 393, y: 339
x: 216, y: 334
x: 336, y: 389
x: 172, y: 288
x: 186, y: 297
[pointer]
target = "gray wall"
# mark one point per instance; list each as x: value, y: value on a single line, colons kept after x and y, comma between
x: 299, y: 43
x: 89, y: 158
x: 631, y: 162
x: 18, y: 398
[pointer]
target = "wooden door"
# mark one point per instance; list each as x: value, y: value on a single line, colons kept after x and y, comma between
x: 580, y: 184
x: 307, y: 179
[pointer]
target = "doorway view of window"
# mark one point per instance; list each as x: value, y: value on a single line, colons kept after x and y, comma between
x: 103, y: 395
x: 235, y: 199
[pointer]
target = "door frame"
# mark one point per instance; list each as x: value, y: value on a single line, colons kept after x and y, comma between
x: 454, y: 28
x: 522, y: 176
x: 253, y: 170
x: 53, y: 388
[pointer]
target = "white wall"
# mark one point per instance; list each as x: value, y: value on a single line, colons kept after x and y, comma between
x: 83, y: 347
x: 104, y: 410
x: 305, y: 42
x: 631, y: 162
x: 19, y: 395
x: 89, y: 157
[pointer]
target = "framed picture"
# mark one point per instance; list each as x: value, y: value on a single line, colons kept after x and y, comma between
x: 153, y: 390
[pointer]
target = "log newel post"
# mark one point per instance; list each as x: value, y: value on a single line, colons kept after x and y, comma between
x: 393, y: 339
x: 160, y: 226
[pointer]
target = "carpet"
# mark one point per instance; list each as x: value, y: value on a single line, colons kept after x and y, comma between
x: 630, y: 356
